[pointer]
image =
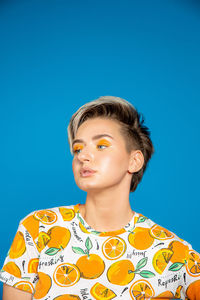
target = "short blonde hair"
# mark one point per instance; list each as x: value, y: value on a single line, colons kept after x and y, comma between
x: 135, y: 133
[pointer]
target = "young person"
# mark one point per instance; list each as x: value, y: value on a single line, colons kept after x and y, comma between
x: 101, y: 249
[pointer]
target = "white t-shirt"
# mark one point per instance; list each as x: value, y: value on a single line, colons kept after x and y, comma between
x: 56, y: 255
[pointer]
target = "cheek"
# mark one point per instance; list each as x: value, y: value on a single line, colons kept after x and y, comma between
x: 112, y: 162
x: 73, y: 166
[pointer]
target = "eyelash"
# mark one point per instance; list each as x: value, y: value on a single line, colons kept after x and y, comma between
x: 75, y: 151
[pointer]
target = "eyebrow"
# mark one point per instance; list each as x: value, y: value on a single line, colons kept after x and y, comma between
x: 96, y: 137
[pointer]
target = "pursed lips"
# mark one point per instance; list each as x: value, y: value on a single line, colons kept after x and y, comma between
x: 87, y: 171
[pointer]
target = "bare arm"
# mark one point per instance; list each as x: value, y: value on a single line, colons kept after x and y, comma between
x: 10, y: 293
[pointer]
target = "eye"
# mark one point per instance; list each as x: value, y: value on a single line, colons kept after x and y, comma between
x: 101, y: 146
x: 103, y: 143
x: 76, y: 149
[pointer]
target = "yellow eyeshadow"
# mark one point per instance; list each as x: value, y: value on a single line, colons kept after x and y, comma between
x: 77, y: 147
x: 104, y: 142
x: 101, y: 142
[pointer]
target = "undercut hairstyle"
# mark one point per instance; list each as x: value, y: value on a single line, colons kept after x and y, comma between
x: 133, y: 130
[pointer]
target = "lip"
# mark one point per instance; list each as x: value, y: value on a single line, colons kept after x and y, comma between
x: 86, y: 172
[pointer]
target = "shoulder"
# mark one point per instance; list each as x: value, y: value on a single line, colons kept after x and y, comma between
x: 159, y: 232
x: 53, y: 216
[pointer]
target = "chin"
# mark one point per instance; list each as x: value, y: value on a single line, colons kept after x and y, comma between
x: 89, y: 187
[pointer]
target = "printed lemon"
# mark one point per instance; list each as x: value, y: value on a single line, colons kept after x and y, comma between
x: 193, y: 289
x: 66, y: 275
x: 121, y: 272
x: 100, y: 292
x: 67, y: 297
x: 113, y: 247
x: 161, y: 259
x: 160, y: 233
x: 24, y: 286
x: 193, y: 263
x: 42, y: 286
x: 180, y: 252
x: 67, y: 213
x: 140, y: 238
x: 141, y: 289
x: 59, y: 237
x: 18, y: 246
x: 46, y: 216
x: 83, y: 229
x: 33, y: 265
x: 91, y: 266
x: 13, y: 269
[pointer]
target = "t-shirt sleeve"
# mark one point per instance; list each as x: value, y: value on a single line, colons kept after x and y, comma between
x: 192, y: 274
x: 20, y: 266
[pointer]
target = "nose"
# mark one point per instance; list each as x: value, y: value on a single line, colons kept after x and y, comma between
x: 84, y: 155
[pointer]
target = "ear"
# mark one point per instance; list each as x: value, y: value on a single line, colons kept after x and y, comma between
x: 136, y: 161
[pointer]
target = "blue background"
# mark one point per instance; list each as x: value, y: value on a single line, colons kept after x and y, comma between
x: 56, y: 56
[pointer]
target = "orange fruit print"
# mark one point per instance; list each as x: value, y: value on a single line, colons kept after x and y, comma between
x: 193, y: 263
x: 66, y: 275
x: 140, y: 238
x: 18, y: 246
x: 160, y: 233
x: 25, y: 286
x: 121, y: 272
x: 13, y: 269
x: 46, y: 216
x: 113, y: 248
x: 56, y: 255
x: 141, y: 290
x: 42, y: 286
x: 86, y: 266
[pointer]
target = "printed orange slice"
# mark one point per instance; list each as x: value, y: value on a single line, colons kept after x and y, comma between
x: 141, y: 289
x: 66, y: 275
x: 192, y: 291
x: 167, y: 295
x: 140, y: 238
x: 193, y: 263
x: 33, y: 265
x: 121, y: 272
x: 18, y: 246
x: 42, y: 286
x: 42, y: 241
x: 160, y: 233
x: 24, y: 286
x: 46, y: 216
x: 67, y: 213
x: 161, y: 259
x: 100, y: 292
x: 114, y: 247
x: 178, y: 292
x: 13, y: 269
x: 91, y: 266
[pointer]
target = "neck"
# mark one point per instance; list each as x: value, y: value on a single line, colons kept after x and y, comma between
x: 106, y: 213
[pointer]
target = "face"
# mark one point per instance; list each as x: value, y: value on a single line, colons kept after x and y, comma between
x: 98, y: 145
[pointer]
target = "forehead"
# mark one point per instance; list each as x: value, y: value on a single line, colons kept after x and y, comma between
x: 98, y: 126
